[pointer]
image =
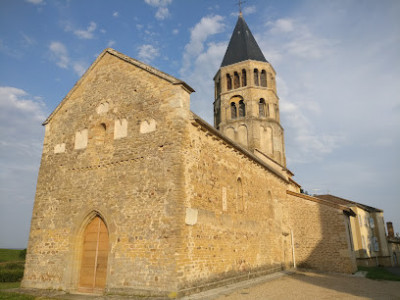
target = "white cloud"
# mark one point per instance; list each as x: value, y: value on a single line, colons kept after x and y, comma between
x: 281, y: 25
x: 162, y: 9
x: 248, y: 10
x: 115, y: 14
x: 21, y: 116
x: 175, y: 31
x: 110, y: 43
x: 80, y: 68
x: 27, y: 40
x: 59, y: 53
x: 162, y: 13
x: 88, y: 33
x: 158, y: 3
x: 147, y: 52
x: 36, y: 2
x: 299, y: 39
x: 198, y: 35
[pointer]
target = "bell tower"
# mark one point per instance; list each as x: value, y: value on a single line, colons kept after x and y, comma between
x: 246, y: 106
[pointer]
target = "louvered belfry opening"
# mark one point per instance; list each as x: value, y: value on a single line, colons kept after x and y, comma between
x: 93, y: 271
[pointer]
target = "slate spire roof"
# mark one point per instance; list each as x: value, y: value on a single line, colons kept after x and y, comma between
x: 242, y: 45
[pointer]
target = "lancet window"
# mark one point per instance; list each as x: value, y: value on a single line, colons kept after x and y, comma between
x: 263, y: 78
x: 233, y: 110
x: 261, y: 108
x: 256, y: 79
x: 228, y: 82
x: 236, y: 80
x: 242, y: 109
x: 244, y: 78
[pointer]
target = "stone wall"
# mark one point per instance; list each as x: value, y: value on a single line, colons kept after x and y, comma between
x: 235, y: 221
x: 185, y: 208
x: 321, y: 235
x: 112, y: 148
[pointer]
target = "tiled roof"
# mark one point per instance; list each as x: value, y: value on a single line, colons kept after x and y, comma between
x: 346, y: 202
x: 242, y: 45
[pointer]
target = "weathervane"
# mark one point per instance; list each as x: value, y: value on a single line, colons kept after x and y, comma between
x: 240, y: 2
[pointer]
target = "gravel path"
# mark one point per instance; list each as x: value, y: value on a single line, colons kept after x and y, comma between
x: 304, y: 285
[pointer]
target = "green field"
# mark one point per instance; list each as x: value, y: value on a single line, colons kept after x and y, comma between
x: 11, y: 265
x: 379, y: 273
x: 8, y: 255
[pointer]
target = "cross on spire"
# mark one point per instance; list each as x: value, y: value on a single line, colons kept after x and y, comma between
x: 240, y: 2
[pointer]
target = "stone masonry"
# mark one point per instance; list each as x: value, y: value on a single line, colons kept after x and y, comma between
x: 185, y: 207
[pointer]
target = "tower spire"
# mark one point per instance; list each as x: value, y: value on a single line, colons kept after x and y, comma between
x: 242, y: 45
x: 240, y: 2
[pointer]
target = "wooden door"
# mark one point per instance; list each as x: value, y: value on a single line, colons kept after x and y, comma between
x: 94, y: 257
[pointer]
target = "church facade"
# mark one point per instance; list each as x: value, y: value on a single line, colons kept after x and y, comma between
x: 137, y: 194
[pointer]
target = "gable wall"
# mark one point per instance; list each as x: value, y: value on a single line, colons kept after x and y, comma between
x: 132, y: 181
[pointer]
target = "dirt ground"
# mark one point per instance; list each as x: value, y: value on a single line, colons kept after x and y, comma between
x: 294, y: 285
x: 304, y: 285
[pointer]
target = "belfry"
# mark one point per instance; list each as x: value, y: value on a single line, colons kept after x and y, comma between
x: 246, y: 106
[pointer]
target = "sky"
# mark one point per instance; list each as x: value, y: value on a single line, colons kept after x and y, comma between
x: 338, y: 79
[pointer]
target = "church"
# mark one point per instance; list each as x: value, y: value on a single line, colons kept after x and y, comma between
x: 138, y: 195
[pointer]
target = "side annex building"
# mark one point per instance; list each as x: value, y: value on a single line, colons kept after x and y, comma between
x: 137, y: 194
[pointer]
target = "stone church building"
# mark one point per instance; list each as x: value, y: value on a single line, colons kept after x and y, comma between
x: 137, y: 194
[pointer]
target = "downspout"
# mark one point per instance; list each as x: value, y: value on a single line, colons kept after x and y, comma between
x: 294, y: 258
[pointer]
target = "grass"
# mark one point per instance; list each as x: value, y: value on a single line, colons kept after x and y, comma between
x: 12, y: 296
x: 379, y: 273
x: 11, y: 269
x: 7, y: 255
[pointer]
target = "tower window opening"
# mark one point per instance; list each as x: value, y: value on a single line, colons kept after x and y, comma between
x: 228, y: 82
x: 233, y: 111
x: 242, y: 109
x: 261, y: 108
x: 217, y: 89
x: 263, y: 78
x: 236, y: 80
x: 256, y: 79
x: 244, y: 78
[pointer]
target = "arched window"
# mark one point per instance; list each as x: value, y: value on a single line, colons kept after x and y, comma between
x: 233, y: 110
x: 228, y: 82
x: 261, y: 108
x: 239, y: 195
x: 100, y: 134
x: 263, y: 78
x: 242, y: 109
x: 244, y: 78
x: 236, y: 80
x: 256, y: 80
x: 217, y: 89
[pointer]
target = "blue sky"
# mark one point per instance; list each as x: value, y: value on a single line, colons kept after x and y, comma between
x: 338, y: 75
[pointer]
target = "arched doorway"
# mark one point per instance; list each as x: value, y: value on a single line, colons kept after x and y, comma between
x: 93, y: 270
